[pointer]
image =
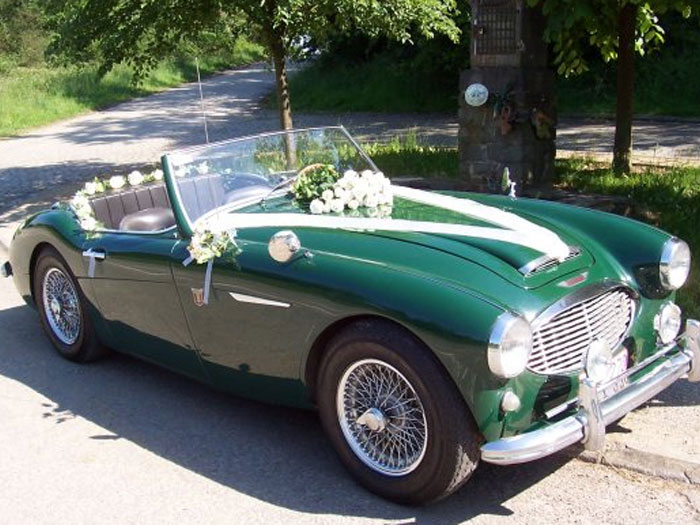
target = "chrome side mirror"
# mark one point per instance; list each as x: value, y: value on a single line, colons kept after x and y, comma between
x: 283, y: 246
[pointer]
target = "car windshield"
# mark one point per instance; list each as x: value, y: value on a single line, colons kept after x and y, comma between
x: 224, y: 174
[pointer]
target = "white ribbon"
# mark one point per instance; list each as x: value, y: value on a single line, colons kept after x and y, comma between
x: 207, y: 276
x: 513, y: 229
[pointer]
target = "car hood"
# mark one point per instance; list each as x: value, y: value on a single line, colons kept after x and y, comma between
x: 522, y: 266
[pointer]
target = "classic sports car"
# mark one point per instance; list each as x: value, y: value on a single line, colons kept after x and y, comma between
x: 431, y: 330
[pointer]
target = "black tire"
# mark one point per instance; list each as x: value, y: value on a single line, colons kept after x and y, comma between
x: 84, y: 346
x: 451, y: 445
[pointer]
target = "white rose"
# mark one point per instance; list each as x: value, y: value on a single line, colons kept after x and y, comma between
x: 385, y: 198
x: 337, y: 206
x: 117, y: 182
x: 83, y: 212
x: 327, y: 195
x: 350, y: 175
x: 202, y: 168
x: 80, y: 201
x: 371, y: 201
x: 326, y: 207
x: 135, y: 178
x: 341, y: 194
x: 158, y: 174
x: 90, y: 188
x: 367, y: 174
x: 316, y: 206
x: 88, y: 223
x: 353, y: 204
x: 360, y: 190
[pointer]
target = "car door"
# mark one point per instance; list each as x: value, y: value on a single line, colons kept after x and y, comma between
x: 255, y: 326
x: 133, y: 284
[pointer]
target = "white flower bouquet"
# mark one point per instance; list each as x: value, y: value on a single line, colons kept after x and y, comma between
x: 325, y: 191
x: 81, y: 202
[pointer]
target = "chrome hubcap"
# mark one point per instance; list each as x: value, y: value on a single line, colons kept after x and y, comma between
x: 382, y: 417
x: 61, y: 306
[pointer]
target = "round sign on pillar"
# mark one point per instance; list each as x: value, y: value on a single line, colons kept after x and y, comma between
x: 476, y: 94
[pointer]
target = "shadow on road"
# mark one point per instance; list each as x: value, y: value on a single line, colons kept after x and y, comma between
x: 275, y: 454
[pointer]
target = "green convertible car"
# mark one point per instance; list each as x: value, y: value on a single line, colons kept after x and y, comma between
x: 431, y: 330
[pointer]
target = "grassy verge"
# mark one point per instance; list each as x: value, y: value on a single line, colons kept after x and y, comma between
x: 379, y: 85
x: 669, y: 199
x: 31, y: 97
x: 405, y: 157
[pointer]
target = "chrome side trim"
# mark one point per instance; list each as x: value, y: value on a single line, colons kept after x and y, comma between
x: 243, y: 298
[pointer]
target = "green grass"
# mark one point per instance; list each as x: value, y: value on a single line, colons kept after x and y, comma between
x: 668, y: 199
x: 31, y: 97
x: 405, y: 157
x: 379, y: 85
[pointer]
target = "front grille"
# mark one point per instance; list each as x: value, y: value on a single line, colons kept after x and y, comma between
x: 561, y: 343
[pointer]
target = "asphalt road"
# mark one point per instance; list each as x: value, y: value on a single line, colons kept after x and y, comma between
x: 122, y: 441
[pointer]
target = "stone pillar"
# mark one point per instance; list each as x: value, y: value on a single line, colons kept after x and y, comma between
x: 516, y: 126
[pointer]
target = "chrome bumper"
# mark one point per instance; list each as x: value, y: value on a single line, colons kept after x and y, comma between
x: 587, y: 426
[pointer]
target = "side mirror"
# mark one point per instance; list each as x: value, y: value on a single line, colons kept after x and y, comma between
x: 283, y: 246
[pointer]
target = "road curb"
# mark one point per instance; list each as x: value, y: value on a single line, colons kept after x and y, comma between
x: 648, y: 463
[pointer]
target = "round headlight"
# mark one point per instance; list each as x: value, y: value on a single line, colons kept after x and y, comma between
x: 674, y: 265
x: 668, y: 322
x: 510, y: 345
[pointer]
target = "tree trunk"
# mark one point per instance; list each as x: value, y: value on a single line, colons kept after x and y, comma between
x: 279, y: 60
x: 275, y: 41
x: 622, y: 151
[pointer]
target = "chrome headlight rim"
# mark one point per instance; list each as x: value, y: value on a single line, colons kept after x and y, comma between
x: 671, y: 250
x: 669, y: 311
x: 498, y: 356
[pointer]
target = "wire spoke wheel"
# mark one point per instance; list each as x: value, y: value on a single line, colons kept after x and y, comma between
x: 61, y: 306
x: 382, y: 417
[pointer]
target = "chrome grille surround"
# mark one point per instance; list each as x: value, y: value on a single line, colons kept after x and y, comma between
x: 563, y: 332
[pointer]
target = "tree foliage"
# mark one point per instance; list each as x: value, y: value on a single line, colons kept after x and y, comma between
x: 576, y: 26
x: 141, y: 32
x: 22, y: 32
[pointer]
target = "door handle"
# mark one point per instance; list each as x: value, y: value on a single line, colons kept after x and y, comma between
x: 99, y: 254
x: 92, y: 256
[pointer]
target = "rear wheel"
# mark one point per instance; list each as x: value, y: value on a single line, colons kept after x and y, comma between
x: 62, y: 309
x: 396, y: 420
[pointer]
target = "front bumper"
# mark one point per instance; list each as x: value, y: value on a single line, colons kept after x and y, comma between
x: 587, y: 426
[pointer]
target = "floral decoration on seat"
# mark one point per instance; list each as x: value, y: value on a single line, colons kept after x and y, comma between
x: 81, y: 200
x: 324, y: 190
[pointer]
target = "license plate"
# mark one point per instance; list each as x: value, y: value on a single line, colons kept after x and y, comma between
x: 620, y: 366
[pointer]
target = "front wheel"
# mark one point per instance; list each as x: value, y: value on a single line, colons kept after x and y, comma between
x: 393, y: 415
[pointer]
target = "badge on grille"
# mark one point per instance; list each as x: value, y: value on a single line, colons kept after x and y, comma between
x: 198, y: 296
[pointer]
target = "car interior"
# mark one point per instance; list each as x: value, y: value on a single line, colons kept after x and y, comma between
x: 148, y: 209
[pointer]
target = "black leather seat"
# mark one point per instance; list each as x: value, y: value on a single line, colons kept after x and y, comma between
x: 111, y: 208
x: 147, y: 208
x: 148, y: 220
